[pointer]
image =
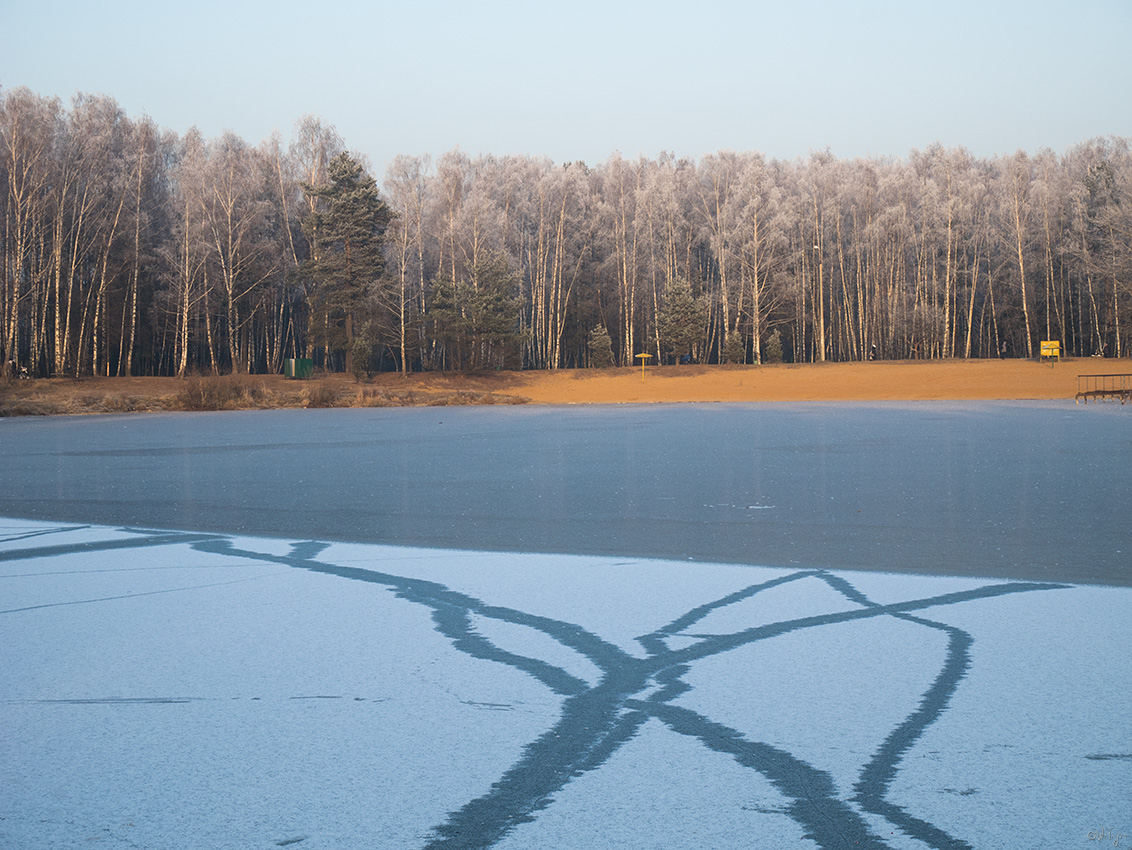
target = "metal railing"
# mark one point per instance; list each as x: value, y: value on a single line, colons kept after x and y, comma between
x: 1104, y: 387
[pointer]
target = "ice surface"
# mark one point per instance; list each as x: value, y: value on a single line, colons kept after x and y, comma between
x: 976, y: 489
x: 663, y: 790
x: 185, y: 690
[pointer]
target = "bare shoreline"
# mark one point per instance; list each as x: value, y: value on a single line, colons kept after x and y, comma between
x: 935, y: 380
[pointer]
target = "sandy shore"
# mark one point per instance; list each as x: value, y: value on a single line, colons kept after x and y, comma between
x: 880, y: 381
x: 905, y: 380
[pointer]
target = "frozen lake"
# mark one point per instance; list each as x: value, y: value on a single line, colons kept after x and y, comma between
x: 1019, y: 490
x: 902, y: 626
x: 184, y: 691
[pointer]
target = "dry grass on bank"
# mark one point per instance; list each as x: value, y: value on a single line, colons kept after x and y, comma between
x: 880, y: 381
x: 67, y: 396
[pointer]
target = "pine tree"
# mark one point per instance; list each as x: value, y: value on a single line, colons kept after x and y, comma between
x: 733, y: 349
x: 478, y: 323
x: 493, y: 311
x: 601, y: 348
x: 347, y: 233
x: 682, y: 319
x: 772, y: 350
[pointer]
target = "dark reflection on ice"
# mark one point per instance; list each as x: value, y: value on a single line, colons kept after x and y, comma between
x: 1018, y: 490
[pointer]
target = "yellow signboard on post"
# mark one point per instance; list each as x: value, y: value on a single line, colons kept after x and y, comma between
x: 1051, y: 348
x: 643, y: 358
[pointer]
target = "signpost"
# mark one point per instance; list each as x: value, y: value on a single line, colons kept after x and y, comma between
x: 644, y: 359
x: 1050, y: 348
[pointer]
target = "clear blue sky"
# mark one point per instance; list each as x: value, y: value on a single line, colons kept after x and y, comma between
x: 583, y: 79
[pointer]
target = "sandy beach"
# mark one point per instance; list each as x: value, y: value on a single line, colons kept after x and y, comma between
x: 903, y: 380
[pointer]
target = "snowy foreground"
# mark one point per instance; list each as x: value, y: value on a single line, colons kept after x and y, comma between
x: 174, y: 690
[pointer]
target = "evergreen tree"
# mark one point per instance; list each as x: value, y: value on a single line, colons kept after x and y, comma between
x: 447, y: 323
x: 347, y: 234
x: 682, y: 319
x: 772, y: 351
x: 478, y: 323
x: 493, y: 313
x: 601, y: 348
x: 733, y: 348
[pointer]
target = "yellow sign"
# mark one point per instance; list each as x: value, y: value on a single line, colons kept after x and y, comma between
x: 1051, y: 348
x: 643, y: 358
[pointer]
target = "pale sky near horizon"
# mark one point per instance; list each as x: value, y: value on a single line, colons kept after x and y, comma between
x: 585, y: 79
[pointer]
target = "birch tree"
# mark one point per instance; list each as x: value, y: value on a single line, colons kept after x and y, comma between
x: 27, y: 127
x: 1015, y: 180
x: 406, y: 185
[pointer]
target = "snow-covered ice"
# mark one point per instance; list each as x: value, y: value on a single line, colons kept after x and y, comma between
x: 168, y: 689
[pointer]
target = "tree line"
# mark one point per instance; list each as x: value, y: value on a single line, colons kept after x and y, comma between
x: 130, y: 250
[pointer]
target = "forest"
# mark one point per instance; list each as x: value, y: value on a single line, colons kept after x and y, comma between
x: 129, y: 250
